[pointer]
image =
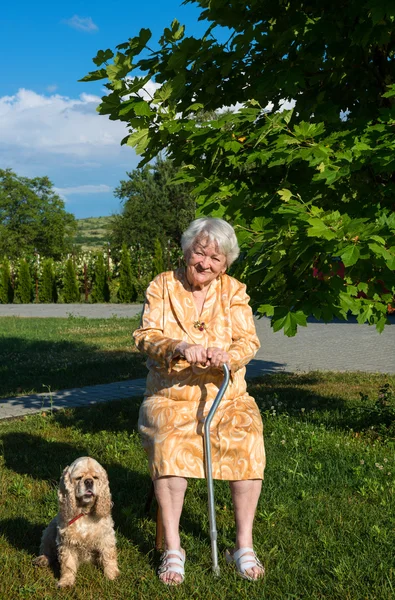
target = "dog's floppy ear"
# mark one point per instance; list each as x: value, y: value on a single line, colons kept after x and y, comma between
x: 66, y: 496
x: 103, y: 504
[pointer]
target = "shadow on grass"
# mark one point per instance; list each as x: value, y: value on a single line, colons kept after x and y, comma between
x: 22, y: 534
x: 289, y: 393
x: 44, y: 460
x: 28, y: 365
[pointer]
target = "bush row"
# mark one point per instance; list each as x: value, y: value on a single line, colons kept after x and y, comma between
x: 84, y: 277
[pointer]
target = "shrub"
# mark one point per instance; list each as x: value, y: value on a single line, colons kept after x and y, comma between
x: 48, y: 292
x: 101, y: 290
x: 127, y: 284
x: 157, y: 262
x: 71, y: 292
x: 6, y: 289
x: 24, y: 290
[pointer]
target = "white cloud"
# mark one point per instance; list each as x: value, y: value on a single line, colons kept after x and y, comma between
x: 34, y: 123
x: 83, y: 189
x: 52, y: 88
x: 81, y: 23
x: 68, y: 141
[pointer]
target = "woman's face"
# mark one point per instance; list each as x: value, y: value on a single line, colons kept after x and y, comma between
x: 204, y: 263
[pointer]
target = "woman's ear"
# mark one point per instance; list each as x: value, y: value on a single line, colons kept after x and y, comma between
x: 66, y: 496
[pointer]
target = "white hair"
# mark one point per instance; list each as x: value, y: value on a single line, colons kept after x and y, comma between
x: 215, y: 230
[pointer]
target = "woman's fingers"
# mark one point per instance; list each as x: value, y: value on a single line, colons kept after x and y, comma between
x: 217, y: 357
x: 196, y: 354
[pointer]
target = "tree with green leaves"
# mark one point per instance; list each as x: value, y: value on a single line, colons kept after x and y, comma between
x: 47, y: 289
x: 6, y: 289
x: 32, y: 217
x: 127, y: 291
x: 309, y: 189
x: 71, y: 292
x: 24, y: 288
x: 100, y: 289
x: 157, y: 260
x: 153, y: 207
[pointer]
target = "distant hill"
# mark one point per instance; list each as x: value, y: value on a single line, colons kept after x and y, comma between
x: 92, y: 233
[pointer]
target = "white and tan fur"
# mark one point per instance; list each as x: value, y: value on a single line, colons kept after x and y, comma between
x: 84, y: 489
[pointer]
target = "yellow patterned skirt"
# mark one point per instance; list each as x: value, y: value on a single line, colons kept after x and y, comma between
x: 172, y: 436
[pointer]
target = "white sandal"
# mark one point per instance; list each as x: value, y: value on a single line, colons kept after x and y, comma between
x: 245, y: 558
x: 175, y: 564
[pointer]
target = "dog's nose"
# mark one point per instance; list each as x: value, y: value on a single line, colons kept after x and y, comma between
x: 88, y: 483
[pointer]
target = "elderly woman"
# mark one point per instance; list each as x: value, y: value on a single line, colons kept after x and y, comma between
x: 195, y: 320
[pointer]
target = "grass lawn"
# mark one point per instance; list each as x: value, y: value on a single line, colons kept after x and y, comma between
x: 40, y: 355
x: 325, y: 523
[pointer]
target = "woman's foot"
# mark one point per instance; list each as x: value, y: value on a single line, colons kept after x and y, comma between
x: 171, y: 567
x: 247, y: 563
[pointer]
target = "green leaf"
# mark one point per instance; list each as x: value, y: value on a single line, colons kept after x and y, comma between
x: 290, y: 323
x: 285, y: 194
x: 350, y: 255
x: 319, y: 229
x: 102, y: 56
x: 139, y: 140
x: 95, y: 75
x: 266, y: 309
x: 142, y: 109
x: 391, y: 91
x: 378, y: 239
x: 163, y: 93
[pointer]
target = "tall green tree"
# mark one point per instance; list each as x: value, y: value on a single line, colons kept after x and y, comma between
x: 24, y: 287
x: 47, y: 288
x: 32, y: 217
x: 100, y: 290
x: 71, y: 292
x: 311, y: 189
x: 153, y: 207
x: 6, y: 289
x: 127, y: 291
x: 158, y: 265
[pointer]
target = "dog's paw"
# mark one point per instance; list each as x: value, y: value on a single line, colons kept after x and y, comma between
x: 65, y: 582
x: 111, y: 573
x: 41, y: 561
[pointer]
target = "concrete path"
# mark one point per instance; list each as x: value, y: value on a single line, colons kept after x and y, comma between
x: 337, y: 346
x: 91, y: 311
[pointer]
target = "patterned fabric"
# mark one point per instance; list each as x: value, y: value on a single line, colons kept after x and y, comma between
x: 178, y: 396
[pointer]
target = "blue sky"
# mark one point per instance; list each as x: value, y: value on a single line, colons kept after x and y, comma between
x: 48, y: 121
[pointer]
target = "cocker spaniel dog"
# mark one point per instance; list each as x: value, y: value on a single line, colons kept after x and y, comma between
x: 83, y: 530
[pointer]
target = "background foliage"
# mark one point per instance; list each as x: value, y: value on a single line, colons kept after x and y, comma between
x: 32, y: 217
x: 308, y: 189
x: 153, y: 208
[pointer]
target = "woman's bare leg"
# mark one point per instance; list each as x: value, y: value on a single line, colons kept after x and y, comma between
x: 245, y: 496
x: 170, y: 492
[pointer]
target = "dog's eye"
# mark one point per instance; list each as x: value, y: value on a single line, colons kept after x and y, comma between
x: 95, y: 477
x: 78, y: 478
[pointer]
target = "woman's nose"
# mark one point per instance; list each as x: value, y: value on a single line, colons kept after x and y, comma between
x: 205, y: 262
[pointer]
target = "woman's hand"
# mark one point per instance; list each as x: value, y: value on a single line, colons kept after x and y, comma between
x: 217, y: 357
x: 195, y: 354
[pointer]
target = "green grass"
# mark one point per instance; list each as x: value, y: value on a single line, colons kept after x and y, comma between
x: 38, y: 355
x: 92, y: 233
x: 325, y: 521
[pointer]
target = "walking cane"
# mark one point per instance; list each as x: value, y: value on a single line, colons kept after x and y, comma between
x: 210, y: 484
x: 209, y: 470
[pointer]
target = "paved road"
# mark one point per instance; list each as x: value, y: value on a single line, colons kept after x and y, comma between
x: 337, y: 346
x: 91, y: 311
